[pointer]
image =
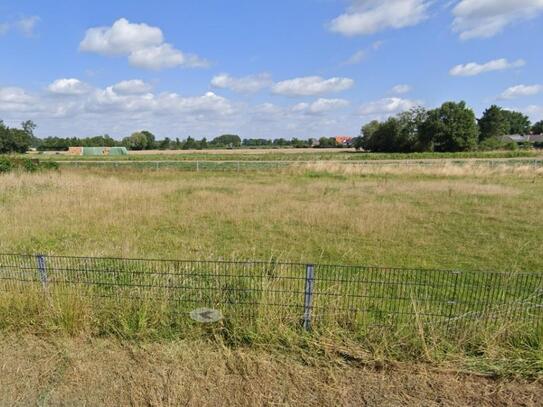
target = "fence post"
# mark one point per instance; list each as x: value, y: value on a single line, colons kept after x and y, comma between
x: 453, y: 301
x: 42, y: 269
x: 308, y: 295
x: 197, y: 166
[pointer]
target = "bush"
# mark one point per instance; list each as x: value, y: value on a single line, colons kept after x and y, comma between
x: 494, y: 143
x: 5, y: 165
x: 8, y: 164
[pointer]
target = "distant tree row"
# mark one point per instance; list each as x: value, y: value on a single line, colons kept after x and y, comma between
x: 449, y: 128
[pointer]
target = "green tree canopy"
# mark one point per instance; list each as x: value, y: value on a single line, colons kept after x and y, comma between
x: 226, y: 140
x: 537, y: 128
x: 518, y: 123
x: 493, y: 123
x: 451, y: 127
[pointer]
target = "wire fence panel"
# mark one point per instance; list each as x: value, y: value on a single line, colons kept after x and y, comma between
x: 312, y: 296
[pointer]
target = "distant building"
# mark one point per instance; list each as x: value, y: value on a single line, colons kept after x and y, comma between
x: 346, y: 141
x: 96, y: 151
x: 519, y: 139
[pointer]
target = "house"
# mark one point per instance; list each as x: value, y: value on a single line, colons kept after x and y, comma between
x: 517, y: 138
x: 346, y: 141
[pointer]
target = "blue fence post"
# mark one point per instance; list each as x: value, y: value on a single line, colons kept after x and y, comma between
x: 42, y: 269
x: 308, y: 295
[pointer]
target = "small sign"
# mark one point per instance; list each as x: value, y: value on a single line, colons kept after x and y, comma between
x: 206, y: 315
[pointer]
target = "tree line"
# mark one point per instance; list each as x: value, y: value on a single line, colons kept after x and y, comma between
x: 451, y: 127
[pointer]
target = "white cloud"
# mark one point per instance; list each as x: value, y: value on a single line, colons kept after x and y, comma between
x: 131, y: 87
x: 521, y: 90
x: 357, y: 57
x: 321, y: 105
x: 486, y: 18
x: 24, y: 25
x: 246, y: 84
x: 70, y: 86
x: 366, y: 17
x: 121, y: 38
x: 144, y: 45
x: 387, y: 106
x: 129, y: 105
x: 473, y: 68
x: 164, y: 56
x: 401, y: 89
x: 311, y: 85
x: 534, y: 111
x: 13, y: 99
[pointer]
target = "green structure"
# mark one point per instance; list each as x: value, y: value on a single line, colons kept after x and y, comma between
x: 89, y: 151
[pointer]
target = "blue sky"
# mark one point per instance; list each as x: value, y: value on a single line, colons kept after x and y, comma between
x: 298, y: 68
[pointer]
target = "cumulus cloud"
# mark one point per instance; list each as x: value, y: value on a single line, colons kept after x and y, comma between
x: 387, y: 106
x: 69, y: 86
x: 473, y: 68
x: 521, y: 90
x: 13, y: 99
x: 486, y: 18
x: 131, y: 87
x: 311, y: 85
x: 126, y: 106
x: 246, y: 84
x: 321, y: 105
x: 144, y: 45
x: 366, y: 17
x: 401, y: 89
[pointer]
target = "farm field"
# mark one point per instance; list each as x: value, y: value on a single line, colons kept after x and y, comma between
x: 287, y: 154
x: 467, y: 217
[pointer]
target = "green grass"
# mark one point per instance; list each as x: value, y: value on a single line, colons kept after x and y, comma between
x: 295, y: 155
x: 486, y: 220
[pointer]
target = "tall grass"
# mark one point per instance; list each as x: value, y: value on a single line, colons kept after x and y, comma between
x: 453, y: 217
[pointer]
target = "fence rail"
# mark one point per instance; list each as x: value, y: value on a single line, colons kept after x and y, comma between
x: 294, y: 293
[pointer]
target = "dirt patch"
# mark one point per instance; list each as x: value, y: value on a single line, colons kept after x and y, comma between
x: 47, y: 371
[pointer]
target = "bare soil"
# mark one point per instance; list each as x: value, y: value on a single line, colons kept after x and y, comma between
x: 105, y: 372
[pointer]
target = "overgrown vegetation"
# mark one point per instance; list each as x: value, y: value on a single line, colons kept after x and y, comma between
x: 11, y: 163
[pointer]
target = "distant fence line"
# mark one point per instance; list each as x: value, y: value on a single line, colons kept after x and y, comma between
x: 295, y: 293
x: 244, y: 165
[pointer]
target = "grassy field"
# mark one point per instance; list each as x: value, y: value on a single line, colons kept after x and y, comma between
x: 292, y: 154
x: 467, y: 217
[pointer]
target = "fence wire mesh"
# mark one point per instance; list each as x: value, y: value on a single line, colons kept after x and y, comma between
x: 294, y: 293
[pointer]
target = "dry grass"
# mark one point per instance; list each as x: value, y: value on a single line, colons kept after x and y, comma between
x: 56, y: 371
x: 405, y: 219
x: 442, y: 169
x: 466, y: 217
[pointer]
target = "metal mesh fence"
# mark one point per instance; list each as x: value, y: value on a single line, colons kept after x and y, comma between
x: 309, y: 295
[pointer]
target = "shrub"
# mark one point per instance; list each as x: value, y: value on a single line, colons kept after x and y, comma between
x: 8, y: 164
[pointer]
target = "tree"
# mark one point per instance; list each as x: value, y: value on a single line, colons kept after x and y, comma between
x: 150, y: 137
x: 13, y: 140
x: 227, y: 140
x: 493, y: 123
x: 190, y: 144
x: 538, y: 127
x: 518, y: 123
x: 451, y: 127
x: 410, y: 122
x: 137, y: 141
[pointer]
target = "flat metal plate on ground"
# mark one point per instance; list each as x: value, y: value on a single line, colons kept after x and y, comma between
x: 206, y: 315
